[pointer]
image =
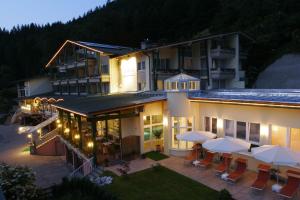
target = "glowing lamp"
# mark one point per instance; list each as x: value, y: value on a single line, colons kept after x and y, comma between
x: 76, y: 136
x: 39, y: 131
x: 29, y: 136
x: 57, y: 121
x: 67, y: 130
x: 90, y: 144
x: 59, y: 125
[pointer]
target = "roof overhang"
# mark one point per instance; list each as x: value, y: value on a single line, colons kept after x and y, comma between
x: 246, y: 102
x: 74, y: 43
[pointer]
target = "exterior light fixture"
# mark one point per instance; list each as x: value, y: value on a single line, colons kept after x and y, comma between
x: 72, y: 114
x: 59, y: 125
x: 29, y: 136
x: 90, y: 144
x: 39, y: 131
x: 76, y: 136
x: 58, y: 121
x: 67, y: 130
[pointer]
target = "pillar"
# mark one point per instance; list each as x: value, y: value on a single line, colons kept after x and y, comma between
x: 79, y: 131
x: 94, y: 134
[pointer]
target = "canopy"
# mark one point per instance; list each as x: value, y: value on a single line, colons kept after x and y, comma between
x: 276, y: 155
x: 196, y: 136
x: 226, y: 145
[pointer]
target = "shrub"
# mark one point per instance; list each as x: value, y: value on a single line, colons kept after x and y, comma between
x: 17, y: 182
x: 80, y: 189
x: 225, y: 195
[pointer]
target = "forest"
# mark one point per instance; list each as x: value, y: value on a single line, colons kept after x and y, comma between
x: 274, y: 24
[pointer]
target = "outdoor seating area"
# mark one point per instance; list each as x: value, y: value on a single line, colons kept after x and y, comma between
x: 218, y: 157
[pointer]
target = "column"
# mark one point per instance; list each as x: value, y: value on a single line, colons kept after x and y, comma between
x: 69, y: 126
x: 94, y: 134
x: 79, y: 131
x: 120, y: 138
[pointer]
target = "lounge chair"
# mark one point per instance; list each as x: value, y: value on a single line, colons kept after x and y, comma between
x: 239, y: 171
x: 262, y: 177
x: 190, y: 157
x: 293, y: 182
x: 207, y: 160
x: 225, y: 164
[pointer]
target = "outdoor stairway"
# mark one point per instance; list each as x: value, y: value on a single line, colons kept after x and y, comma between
x: 97, y: 171
x: 46, y: 138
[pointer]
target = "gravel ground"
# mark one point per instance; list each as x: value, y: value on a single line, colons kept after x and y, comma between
x: 49, y: 169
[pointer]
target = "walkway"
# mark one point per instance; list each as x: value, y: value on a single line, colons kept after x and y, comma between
x: 13, y: 151
x: 240, y: 190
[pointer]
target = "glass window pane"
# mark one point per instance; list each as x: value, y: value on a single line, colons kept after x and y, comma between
x: 229, y: 128
x: 146, y: 120
x: 146, y: 134
x: 295, y: 139
x: 241, y: 130
x: 174, y: 139
x: 157, y: 132
x: 254, y: 132
x: 157, y: 119
x: 207, y: 123
x: 278, y: 135
x: 214, y: 128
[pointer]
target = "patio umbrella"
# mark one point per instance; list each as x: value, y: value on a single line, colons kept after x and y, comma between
x: 226, y: 145
x: 196, y: 136
x: 276, y: 155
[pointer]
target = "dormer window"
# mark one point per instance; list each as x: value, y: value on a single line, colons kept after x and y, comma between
x: 182, y: 82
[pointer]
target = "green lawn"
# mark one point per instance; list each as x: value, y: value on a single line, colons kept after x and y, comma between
x: 159, y: 184
x: 156, y: 155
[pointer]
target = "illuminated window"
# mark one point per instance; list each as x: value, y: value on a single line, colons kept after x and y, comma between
x: 193, y: 85
x: 181, y: 125
x: 153, y: 131
x: 174, y: 86
x: 183, y: 85
x: 279, y: 135
x: 295, y: 139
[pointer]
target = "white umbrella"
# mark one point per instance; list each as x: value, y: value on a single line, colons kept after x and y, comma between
x: 196, y: 136
x: 226, y: 145
x: 276, y: 155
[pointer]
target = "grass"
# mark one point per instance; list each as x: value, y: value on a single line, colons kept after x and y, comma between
x: 159, y: 183
x: 26, y: 149
x: 156, y: 155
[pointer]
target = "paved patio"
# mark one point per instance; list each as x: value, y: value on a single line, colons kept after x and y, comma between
x: 48, y: 169
x: 240, y: 190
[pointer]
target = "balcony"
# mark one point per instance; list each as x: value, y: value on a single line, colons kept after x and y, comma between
x: 222, y: 53
x: 222, y: 73
x: 23, y: 92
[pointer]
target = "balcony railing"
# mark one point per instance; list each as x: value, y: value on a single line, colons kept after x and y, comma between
x: 222, y: 73
x: 222, y: 53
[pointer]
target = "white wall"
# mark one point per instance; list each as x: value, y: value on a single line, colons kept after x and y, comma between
x: 130, y: 126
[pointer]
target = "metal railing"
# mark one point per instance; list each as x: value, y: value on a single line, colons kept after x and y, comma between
x: 85, y: 169
x: 45, y: 138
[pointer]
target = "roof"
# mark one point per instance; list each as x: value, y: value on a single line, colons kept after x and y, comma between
x: 182, y: 77
x: 102, y: 104
x: 186, y: 42
x: 266, y: 97
x: 100, y: 48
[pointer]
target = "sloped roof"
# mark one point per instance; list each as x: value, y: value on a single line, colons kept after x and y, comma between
x: 101, y: 104
x: 182, y: 77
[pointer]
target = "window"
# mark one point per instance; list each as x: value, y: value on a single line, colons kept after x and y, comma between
x: 254, y: 135
x: 279, y: 135
x: 241, y: 130
x: 193, y: 85
x: 143, y: 65
x: 82, y: 88
x: 146, y: 120
x: 229, y: 128
x: 146, y: 134
x: 183, y: 85
x: 174, y: 86
x: 214, y: 128
x: 105, y: 88
x: 139, y: 66
x: 104, y: 69
x: 181, y: 125
x: 207, y: 123
x: 295, y: 139
x: 157, y: 119
x: 153, y: 131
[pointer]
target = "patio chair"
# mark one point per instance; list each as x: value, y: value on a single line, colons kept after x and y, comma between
x: 190, y: 157
x: 239, y: 171
x: 262, y: 177
x: 225, y: 164
x: 207, y: 160
x: 292, y: 186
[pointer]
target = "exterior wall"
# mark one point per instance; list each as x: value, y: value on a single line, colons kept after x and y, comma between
x: 114, y: 75
x: 130, y: 126
x: 38, y: 86
x: 266, y: 116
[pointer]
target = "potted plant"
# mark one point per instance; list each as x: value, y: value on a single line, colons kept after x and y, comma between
x: 157, y: 134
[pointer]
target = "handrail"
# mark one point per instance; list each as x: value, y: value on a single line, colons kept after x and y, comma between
x: 85, y: 169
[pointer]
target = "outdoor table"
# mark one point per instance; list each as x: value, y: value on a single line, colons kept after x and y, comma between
x: 196, y: 162
x: 224, y: 176
x: 276, y: 188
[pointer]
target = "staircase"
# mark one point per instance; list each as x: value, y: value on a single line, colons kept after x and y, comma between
x: 46, y: 138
